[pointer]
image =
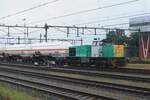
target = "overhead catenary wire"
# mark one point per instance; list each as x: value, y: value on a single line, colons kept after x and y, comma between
x: 14, y: 38
x: 29, y: 9
x: 115, y: 24
x: 18, y: 29
x: 3, y: 31
x: 115, y: 18
x: 102, y: 27
x: 63, y: 27
x: 84, y: 11
x: 35, y: 31
x: 57, y: 26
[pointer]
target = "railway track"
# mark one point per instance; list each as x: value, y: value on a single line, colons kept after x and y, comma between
x: 125, y: 73
x: 40, y: 83
x: 61, y: 92
x: 93, y: 89
x: 87, y: 69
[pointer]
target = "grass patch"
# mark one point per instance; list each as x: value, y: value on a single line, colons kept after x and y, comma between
x: 134, y: 59
x: 146, y: 59
x: 8, y: 93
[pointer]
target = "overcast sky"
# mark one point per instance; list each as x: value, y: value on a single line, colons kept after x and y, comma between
x: 62, y: 7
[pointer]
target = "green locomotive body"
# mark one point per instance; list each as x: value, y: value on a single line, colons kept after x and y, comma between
x: 97, y: 55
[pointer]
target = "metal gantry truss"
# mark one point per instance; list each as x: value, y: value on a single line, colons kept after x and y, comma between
x: 78, y: 30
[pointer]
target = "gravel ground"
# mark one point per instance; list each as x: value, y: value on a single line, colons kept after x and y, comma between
x: 139, y: 66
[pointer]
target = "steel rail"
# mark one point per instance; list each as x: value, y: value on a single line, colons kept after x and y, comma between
x: 40, y: 85
x: 122, y: 73
x: 83, y: 69
x: 129, y: 88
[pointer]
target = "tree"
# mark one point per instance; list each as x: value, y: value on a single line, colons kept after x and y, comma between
x: 133, y: 40
x: 116, y: 37
x: 119, y: 37
x: 133, y: 45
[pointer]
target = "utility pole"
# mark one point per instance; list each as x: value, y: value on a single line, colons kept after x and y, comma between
x: 40, y: 38
x: 46, y: 29
x: 82, y: 31
x: 24, y: 30
x: 8, y: 32
x: 27, y: 32
x: 77, y: 32
x: 139, y: 32
x: 81, y: 41
x: 95, y: 31
x: 67, y: 32
x: 8, y: 35
x: 30, y: 42
x: 18, y: 39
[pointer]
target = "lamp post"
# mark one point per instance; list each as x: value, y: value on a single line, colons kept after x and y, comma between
x: 24, y: 19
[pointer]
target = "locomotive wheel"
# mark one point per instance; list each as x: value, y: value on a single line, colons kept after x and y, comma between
x: 114, y: 63
x: 126, y: 62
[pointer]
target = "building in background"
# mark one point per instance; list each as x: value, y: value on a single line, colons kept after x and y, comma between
x: 143, y: 25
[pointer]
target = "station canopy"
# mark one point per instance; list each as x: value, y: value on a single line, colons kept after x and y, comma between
x: 140, y: 23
